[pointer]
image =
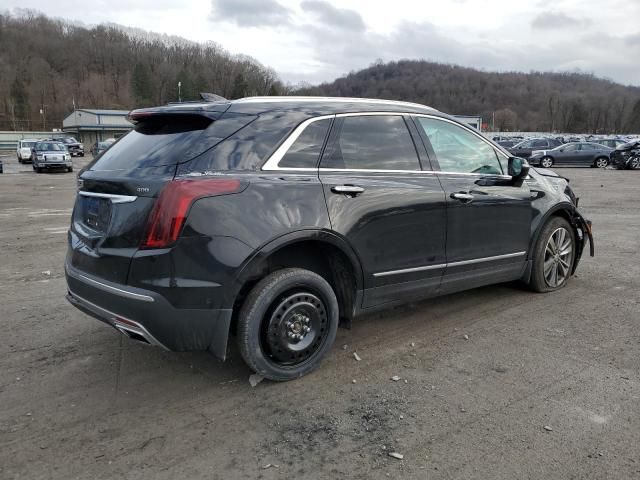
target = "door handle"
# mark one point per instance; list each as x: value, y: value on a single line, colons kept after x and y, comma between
x: 347, y: 189
x: 463, y: 197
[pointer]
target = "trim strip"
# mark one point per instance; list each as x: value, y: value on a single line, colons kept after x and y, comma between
x: 110, y: 196
x: 447, y: 265
x: 138, y: 329
x: 109, y: 288
x: 329, y: 100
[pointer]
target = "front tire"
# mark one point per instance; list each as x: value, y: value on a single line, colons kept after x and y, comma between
x: 287, y: 324
x: 601, y: 162
x: 553, y: 256
x: 546, y: 162
x: 634, y: 163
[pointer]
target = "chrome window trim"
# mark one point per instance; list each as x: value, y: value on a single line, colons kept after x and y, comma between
x: 451, y: 264
x: 272, y: 163
x: 110, y: 196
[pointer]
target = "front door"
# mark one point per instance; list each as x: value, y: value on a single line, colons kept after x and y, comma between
x: 488, y: 215
x: 391, y: 211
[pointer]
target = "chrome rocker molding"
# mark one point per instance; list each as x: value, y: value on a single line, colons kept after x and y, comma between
x: 452, y: 264
x: 109, y: 288
x: 110, y: 196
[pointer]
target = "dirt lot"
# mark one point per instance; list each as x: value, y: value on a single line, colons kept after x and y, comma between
x: 495, y: 383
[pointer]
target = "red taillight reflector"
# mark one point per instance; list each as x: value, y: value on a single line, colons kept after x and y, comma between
x: 171, y: 209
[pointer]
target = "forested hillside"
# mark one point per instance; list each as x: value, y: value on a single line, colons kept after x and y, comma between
x: 49, y: 65
x: 567, y: 102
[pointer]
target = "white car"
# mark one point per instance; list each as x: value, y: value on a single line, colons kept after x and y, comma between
x: 24, y: 149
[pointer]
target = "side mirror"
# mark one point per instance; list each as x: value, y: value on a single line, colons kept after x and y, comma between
x: 562, y: 149
x: 518, y: 168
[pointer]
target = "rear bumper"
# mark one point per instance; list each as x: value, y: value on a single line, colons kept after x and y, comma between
x: 147, y: 316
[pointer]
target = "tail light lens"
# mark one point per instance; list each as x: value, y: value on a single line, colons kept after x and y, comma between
x: 172, y: 207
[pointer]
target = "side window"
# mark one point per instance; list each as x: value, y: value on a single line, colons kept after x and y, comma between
x: 586, y: 146
x: 372, y: 142
x: 305, y: 151
x: 459, y: 150
x: 540, y: 143
x: 571, y: 148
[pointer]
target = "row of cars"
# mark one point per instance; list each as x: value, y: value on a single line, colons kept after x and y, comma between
x: 547, y: 152
x: 55, y: 152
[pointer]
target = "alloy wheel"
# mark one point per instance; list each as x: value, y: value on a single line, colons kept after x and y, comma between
x: 557, y: 257
x: 602, y: 162
x: 296, y: 328
x: 635, y: 163
x: 546, y: 162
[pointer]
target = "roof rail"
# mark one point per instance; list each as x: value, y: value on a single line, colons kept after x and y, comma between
x: 294, y: 98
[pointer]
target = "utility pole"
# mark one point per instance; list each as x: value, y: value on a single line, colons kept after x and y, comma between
x: 180, y: 92
x: 43, y: 112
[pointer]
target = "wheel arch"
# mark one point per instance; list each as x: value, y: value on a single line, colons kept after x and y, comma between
x: 320, y: 251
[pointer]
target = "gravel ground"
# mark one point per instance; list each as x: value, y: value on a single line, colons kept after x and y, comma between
x: 494, y: 383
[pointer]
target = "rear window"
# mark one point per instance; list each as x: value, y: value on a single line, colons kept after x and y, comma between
x: 156, y: 141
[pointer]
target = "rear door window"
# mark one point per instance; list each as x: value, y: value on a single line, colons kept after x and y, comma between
x: 372, y: 142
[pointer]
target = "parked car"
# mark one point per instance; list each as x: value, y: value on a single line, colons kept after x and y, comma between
x: 76, y: 149
x: 626, y: 156
x: 100, y: 147
x: 1, y: 167
x: 24, y: 150
x: 611, y: 142
x: 507, y: 143
x: 579, y: 153
x: 524, y: 148
x: 50, y: 154
x: 274, y: 217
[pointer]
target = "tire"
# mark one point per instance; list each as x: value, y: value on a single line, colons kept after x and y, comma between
x: 282, y: 304
x: 601, y: 162
x: 69, y: 169
x: 634, y: 163
x: 543, y: 280
x: 38, y: 170
x: 546, y: 162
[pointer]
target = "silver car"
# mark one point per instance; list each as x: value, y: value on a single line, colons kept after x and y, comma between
x: 49, y: 154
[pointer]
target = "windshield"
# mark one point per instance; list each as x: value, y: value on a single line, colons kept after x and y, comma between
x: 50, y: 147
x: 27, y: 144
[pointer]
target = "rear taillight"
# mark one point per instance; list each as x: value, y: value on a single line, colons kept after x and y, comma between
x: 170, y: 210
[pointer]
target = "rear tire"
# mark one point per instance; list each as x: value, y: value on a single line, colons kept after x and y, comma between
x: 553, y: 256
x: 283, y: 306
x: 601, y: 162
x: 546, y: 162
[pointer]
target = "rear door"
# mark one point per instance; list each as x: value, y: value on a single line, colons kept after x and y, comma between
x: 385, y: 205
x: 488, y: 215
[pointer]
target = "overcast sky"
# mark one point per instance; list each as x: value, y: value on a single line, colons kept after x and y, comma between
x: 319, y: 40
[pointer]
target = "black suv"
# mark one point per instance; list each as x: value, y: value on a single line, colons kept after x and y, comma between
x: 276, y: 218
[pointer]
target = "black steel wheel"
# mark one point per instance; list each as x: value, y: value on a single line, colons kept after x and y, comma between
x: 287, y: 324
